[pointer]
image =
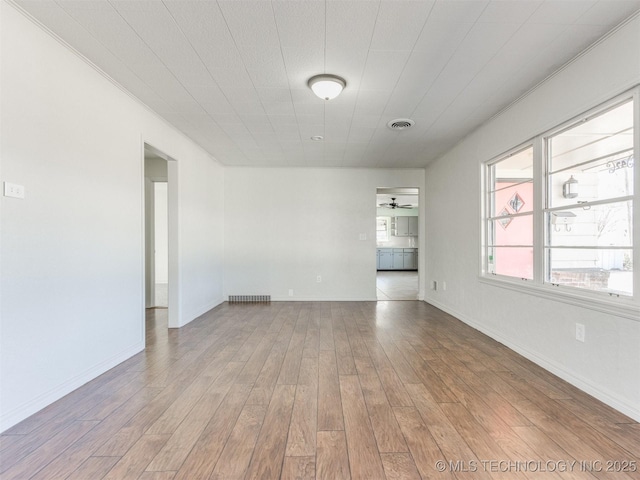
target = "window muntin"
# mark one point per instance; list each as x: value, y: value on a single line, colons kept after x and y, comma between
x: 587, y: 234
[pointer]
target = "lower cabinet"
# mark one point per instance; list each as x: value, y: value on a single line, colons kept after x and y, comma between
x: 409, y: 259
x: 397, y: 258
x: 385, y: 259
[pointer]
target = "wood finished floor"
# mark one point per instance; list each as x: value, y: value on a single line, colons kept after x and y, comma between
x: 359, y: 390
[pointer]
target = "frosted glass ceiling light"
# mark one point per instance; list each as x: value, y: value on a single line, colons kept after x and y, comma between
x: 327, y: 86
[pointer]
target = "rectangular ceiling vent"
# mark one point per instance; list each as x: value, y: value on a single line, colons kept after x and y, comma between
x: 249, y: 298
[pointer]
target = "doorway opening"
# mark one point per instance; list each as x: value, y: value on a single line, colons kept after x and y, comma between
x: 397, y: 235
x: 160, y: 245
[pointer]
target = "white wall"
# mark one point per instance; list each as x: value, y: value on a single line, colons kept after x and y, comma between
x: 607, y: 364
x: 161, y: 234
x: 283, y: 227
x: 71, y: 258
x: 399, y: 212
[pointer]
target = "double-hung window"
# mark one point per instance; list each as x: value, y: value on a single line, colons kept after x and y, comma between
x: 589, y: 202
x: 509, y: 225
x: 559, y: 210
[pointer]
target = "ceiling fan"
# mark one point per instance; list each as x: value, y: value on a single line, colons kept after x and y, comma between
x: 393, y: 204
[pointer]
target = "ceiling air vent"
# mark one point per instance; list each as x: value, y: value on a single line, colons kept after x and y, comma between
x: 400, y: 124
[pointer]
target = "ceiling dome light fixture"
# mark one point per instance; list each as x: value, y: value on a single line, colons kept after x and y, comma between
x: 327, y: 86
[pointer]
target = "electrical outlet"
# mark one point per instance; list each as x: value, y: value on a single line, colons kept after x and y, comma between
x: 580, y: 332
x: 13, y: 190
x: 319, y: 279
x: 291, y: 292
x: 444, y: 286
x: 363, y: 236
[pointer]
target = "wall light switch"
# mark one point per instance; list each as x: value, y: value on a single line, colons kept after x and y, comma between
x: 363, y: 236
x: 13, y: 190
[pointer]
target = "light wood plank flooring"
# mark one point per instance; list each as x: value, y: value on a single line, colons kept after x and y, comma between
x: 363, y: 390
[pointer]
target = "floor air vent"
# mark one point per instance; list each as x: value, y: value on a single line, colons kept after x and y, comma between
x: 249, y: 298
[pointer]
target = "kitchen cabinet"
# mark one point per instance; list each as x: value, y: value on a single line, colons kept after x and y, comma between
x: 409, y: 259
x: 406, y: 227
x: 397, y: 258
x: 385, y: 259
x: 413, y: 226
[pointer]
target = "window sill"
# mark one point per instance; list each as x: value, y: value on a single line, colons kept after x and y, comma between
x: 619, y: 306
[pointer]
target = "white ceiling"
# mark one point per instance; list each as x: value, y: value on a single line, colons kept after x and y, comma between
x: 232, y: 74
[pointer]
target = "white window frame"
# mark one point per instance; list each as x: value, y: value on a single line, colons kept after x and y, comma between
x: 387, y: 230
x: 486, y: 218
x: 624, y: 306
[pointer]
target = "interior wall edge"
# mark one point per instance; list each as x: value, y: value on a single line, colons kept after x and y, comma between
x: 198, y: 312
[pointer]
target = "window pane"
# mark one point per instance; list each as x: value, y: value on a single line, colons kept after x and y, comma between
x: 512, y: 198
x: 382, y: 229
x: 510, y: 237
x: 512, y: 230
x: 514, y: 169
x: 602, y: 180
x: 511, y: 261
x: 596, y: 156
x: 608, y: 225
x: 593, y: 269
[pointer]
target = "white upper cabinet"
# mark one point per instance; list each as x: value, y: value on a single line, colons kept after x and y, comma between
x: 406, y: 227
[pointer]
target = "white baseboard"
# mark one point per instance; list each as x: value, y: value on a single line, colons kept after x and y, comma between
x: 584, y: 384
x: 11, y: 418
